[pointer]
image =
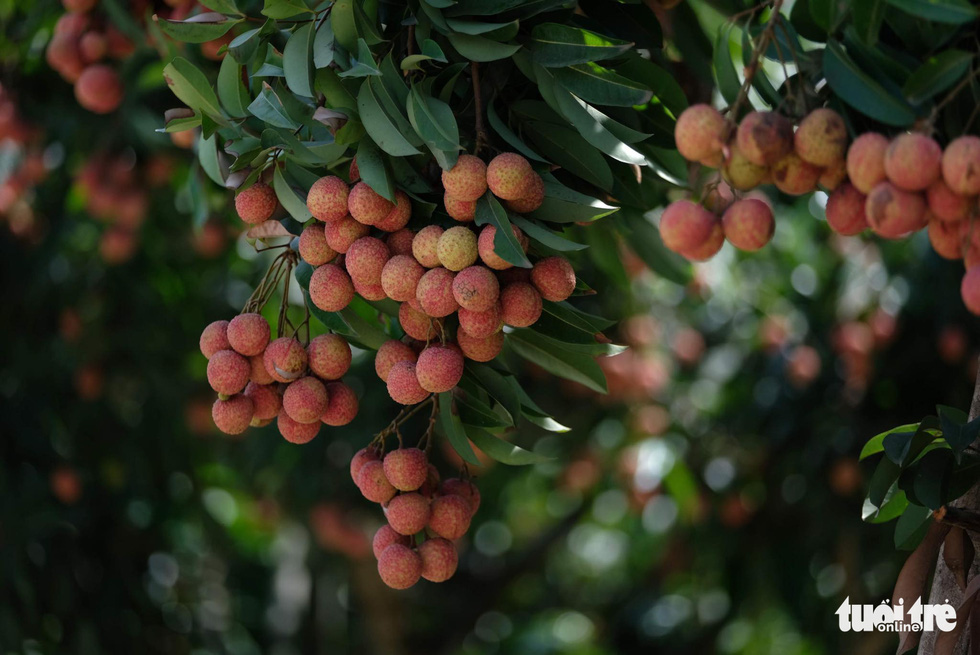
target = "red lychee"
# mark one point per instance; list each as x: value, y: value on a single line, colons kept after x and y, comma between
x: 366, y: 205
x: 533, y: 200
x: 481, y: 324
x: 372, y: 482
x: 467, y: 179
x: 327, y: 199
x: 970, y: 289
x: 520, y: 304
x: 700, y: 133
x: 425, y: 246
x: 764, y: 137
x: 384, y: 537
x: 892, y: 212
x: 406, y: 468
x: 435, y: 293
x: 945, y: 203
x: 403, y: 385
x: 795, y: 176
x: 439, y: 559
x: 408, y: 513
x: 399, y: 566
x: 554, y: 278
x: 486, y: 247
x: 509, y: 176
x: 266, y: 400
x: 450, y: 516
x: 99, y: 89
x: 846, y: 210
x: 913, y: 161
x: 399, y: 215
x: 480, y: 350
x: 329, y: 356
x: 234, y: 415
x: 313, y: 246
x: 305, y: 400
x: 821, y: 138
x: 463, y: 488
x: 748, y: 224
x: 256, y: 204
x: 400, y: 242
x: 685, y: 225
x: 360, y: 458
x: 285, y: 359
x: 296, y: 432
x: 214, y: 338
x: 249, y: 334
x: 390, y: 353
x: 463, y: 211
x: 331, y: 288
x: 961, y: 165
x: 400, y: 277
x: 340, y: 234
x: 866, y: 161
x: 342, y: 404
x: 439, y: 369
x: 476, y: 288
x: 417, y: 324
x: 945, y: 239
x: 228, y: 372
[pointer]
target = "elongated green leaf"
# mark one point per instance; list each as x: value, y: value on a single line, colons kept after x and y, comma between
x: 860, y: 91
x: 584, y: 321
x: 196, y: 31
x: 379, y: 124
x: 433, y: 120
x: 231, y: 90
x: 323, y: 45
x: 556, y: 45
x: 363, y: 64
x: 868, y: 16
x: 894, y: 503
x: 884, y: 477
x: 478, y: 48
x: 490, y: 212
x: 644, y: 239
x: 278, y: 9
x: 453, y: 428
x: 593, y: 83
x: 475, y: 412
x: 495, y: 384
x: 875, y: 444
x: 565, y: 147
x: 578, y: 367
x: 207, y: 155
x: 297, y: 60
x: 955, y: 12
x: 503, y: 451
x: 725, y: 75
x: 367, y: 332
x: 564, y: 205
x: 343, y: 23
x: 191, y: 86
x: 268, y: 107
x: 546, y: 237
x: 373, y: 170
x: 937, y: 74
x: 508, y: 135
x: 912, y: 521
x: 288, y: 198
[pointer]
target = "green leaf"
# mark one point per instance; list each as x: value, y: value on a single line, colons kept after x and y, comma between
x: 364, y: 64
x: 379, y: 124
x: 894, y: 503
x: 910, y: 527
x: 373, y: 170
x: 503, y: 451
x: 344, y: 25
x: 605, y: 251
x: 937, y: 74
x: 931, y: 477
x: 555, y: 45
x: 476, y: 27
x: 545, y: 236
x: 495, y: 384
x: 478, y: 48
x: 490, y: 212
x: 323, y: 45
x: 725, y: 75
x: 453, y: 428
x: 593, y: 83
x: 584, y: 321
x: 433, y: 120
x: 190, y: 85
x: 278, y: 9
x: 473, y: 411
x: 867, y: 16
x: 885, y: 475
x: 297, y: 60
x: 955, y: 12
x: 508, y: 135
x: 196, y: 31
x: 367, y: 332
x: 288, y: 198
x: 231, y: 90
x: 207, y: 155
x: 644, y: 239
x: 959, y: 440
x: 667, y: 93
x: 244, y: 46
x: 565, y: 147
x: 578, y: 367
x: 875, y: 444
x: 860, y: 91
x: 268, y: 107
x: 563, y: 205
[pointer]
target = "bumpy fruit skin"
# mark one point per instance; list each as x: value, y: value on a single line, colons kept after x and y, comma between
x: 329, y: 356
x: 439, y: 369
x: 945, y: 204
x: 370, y: 291
x: 228, y: 372
x: 439, y: 559
x: 399, y: 566
x: 748, y: 224
x: 285, y: 359
x: 214, y: 338
x: 258, y: 373
x: 509, y: 176
x: 295, y: 432
x: 313, y: 246
x: 360, y: 458
x: 764, y: 137
x: 327, y: 199
x: 390, y: 353
x: 457, y: 248
x: 463, y: 211
x: 99, y: 89
x: 485, y: 247
x: 342, y: 405
x: 794, y: 176
x: 464, y: 489
x: 554, y: 278
x: 480, y: 350
x: 970, y: 289
x: 467, y: 180
x: 331, y: 288
x: 353, y: 172
x: 367, y: 206
x: 961, y: 165
x: 913, y: 162
x: 520, y: 305
x: 305, y: 400
x: 400, y: 277
x: 425, y: 246
x: 384, y: 537
x: 366, y: 259
x: 945, y: 239
x: 450, y: 516
x: 256, y: 204
x: 845, y: 210
x: 476, y: 288
x: 741, y: 173
x: 406, y: 468
x: 893, y: 213
x: 866, y: 161
x: 373, y: 484
x: 821, y: 138
x: 340, y: 234
x: 417, y: 324
x: 399, y: 215
x: 249, y: 334
x: 531, y: 201
x: 234, y: 415
x: 403, y: 385
x: 481, y: 324
x: 400, y: 242
x: 711, y: 245
x: 435, y: 293
x: 408, y: 513
x: 700, y: 132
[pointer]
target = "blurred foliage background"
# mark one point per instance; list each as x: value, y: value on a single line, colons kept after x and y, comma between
x: 710, y: 503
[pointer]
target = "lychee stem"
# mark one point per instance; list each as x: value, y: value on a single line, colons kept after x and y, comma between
x: 396, y: 423
x: 758, y: 49
x: 481, y: 135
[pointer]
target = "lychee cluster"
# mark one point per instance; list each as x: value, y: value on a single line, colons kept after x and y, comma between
x: 508, y: 176
x: 425, y: 515
x: 259, y: 379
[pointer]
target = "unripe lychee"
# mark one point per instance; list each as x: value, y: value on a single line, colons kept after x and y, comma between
x: 946, y: 239
x: 845, y: 211
x: 892, y: 212
x: 821, y: 138
x: 764, y: 137
x: 476, y: 288
x: 390, y: 353
x: 439, y: 559
x: 305, y: 400
x: 249, y: 334
x: 400, y: 277
x: 259, y: 375
x: 408, y: 513
x: 400, y: 242
x: 384, y: 537
x: 464, y: 489
x: 913, y: 161
x: 486, y: 247
x: 710, y: 247
x: 366, y: 259
x: 520, y: 305
x: 327, y: 199
x: 399, y: 566
x: 435, y: 293
x: 234, y: 415
x: 399, y: 215
x: 748, y: 224
x: 417, y: 324
x: 425, y: 246
x: 480, y: 350
x: 866, y: 161
x: 509, y: 176
x: 467, y: 179
x: 99, y: 89
x: 329, y: 356
x: 463, y: 211
x: 403, y: 385
x: 295, y: 432
x: 340, y: 234
x: 700, y: 132
x: 970, y: 289
x: 406, y: 468
x: 554, y: 278
x: 266, y: 400
x: 794, y: 176
x: 256, y: 203
x: 331, y: 288
x: 481, y: 324
x: 360, y: 458
x: 945, y: 204
x: 366, y: 205
x: 313, y: 247
x: 285, y: 359
x: 961, y: 165
x: 739, y: 172
x: 214, y: 338
x: 457, y: 248
x: 228, y: 372
x: 449, y: 516
x: 439, y: 369
x: 342, y: 404
x: 534, y: 198
x: 372, y: 482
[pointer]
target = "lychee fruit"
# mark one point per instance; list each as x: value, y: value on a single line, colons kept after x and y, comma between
x: 366, y: 259
x: 970, y: 289
x: 390, y: 353
x: 946, y: 239
x: 845, y: 210
x: 449, y: 516
x: 482, y: 324
x: 740, y: 173
x: 406, y: 468
x: 480, y: 350
x: 700, y: 133
x: 520, y: 306
x: 439, y: 369
x: 435, y: 293
x: 249, y: 334
x: 259, y: 375
x: 425, y: 246
x: 372, y: 482
x: 463, y: 211
x: 384, y: 537
x: 327, y: 199
x: 295, y: 432
x: 866, y: 161
x: 366, y: 205
x: 399, y: 566
x: 353, y: 172
x: 256, y: 204
x: 416, y: 324
x: 214, y: 337
x: 467, y: 179
x: 64, y: 56
x: 234, y: 415
x: 370, y: 291
x: 408, y: 513
x: 913, y: 161
x: 342, y: 405
x: 99, y: 89
x: 360, y: 458
x: 685, y: 225
x: 285, y: 359
x: 892, y: 213
x: 305, y: 400
x: 228, y: 372
x: 439, y: 559
x: 486, y: 247
x: 554, y: 278
x: 457, y: 248
x: 821, y: 138
x: 764, y: 137
x: 266, y: 400
x: 795, y: 176
x: 945, y: 203
x: 400, y: 242
x: 463, y: 488
x: 340, y: 234
x: 961, y: 165
x: 331, y: 288
x: 329, y: 356
x: 400, y: 277
x: 833, y: 176
x: 399, y: 215
x: 403, y: 385
x: 509, y: 176
x: 93, y: 46
x: 748, y: 224
x: 313, y: 246
x: 476, y: 288
x: 533, y: 200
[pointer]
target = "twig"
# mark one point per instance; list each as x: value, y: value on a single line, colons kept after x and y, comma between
x: 758, y: 49
x: 961, y: 518
x: 481, y: 135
